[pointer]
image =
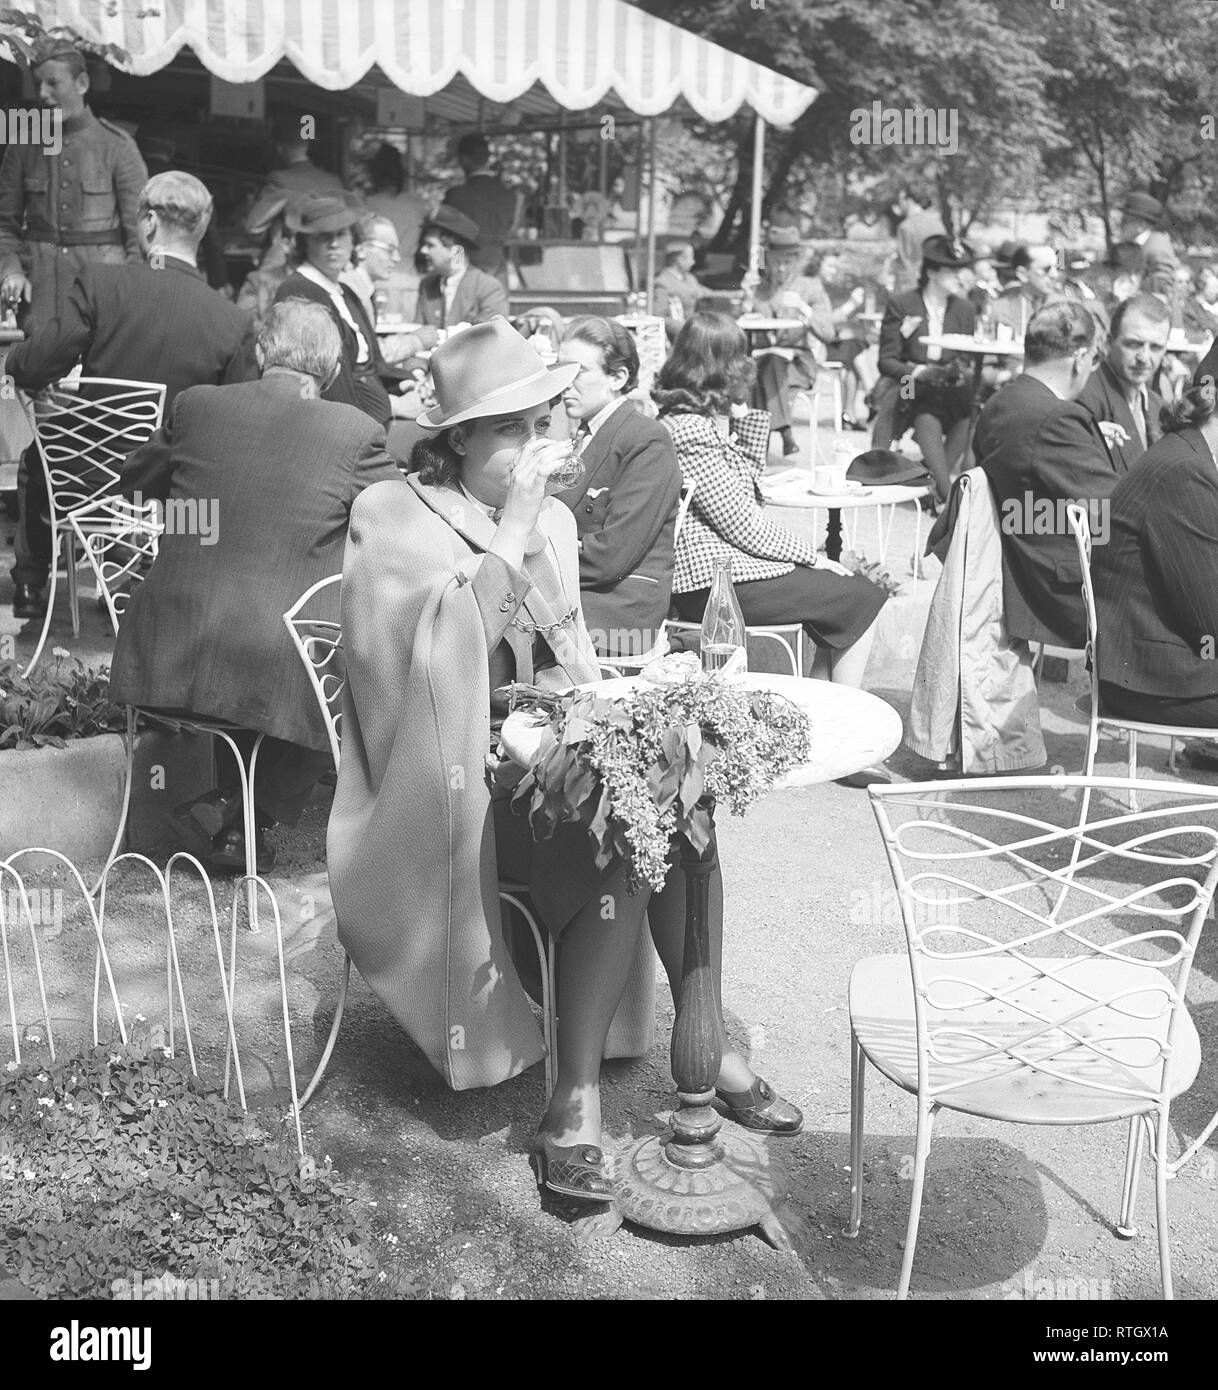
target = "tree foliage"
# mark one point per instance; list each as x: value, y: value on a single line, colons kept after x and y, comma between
x: 1061, y: 105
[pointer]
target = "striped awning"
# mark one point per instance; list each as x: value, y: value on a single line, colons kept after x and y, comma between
x: 582, y: 54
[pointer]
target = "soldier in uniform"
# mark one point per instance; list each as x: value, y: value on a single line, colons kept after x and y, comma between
x: 58, y: 213
x: 67, y: 209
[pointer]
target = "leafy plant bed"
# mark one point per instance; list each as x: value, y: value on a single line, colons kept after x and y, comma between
x: 119, y: 1169
x: 62, y: 764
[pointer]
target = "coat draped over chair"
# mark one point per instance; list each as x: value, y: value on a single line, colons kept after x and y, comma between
x: 975, y: 707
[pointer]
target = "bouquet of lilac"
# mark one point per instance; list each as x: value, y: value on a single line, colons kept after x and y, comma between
x: 639, y: 771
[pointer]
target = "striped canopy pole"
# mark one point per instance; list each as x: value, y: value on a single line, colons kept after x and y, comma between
x: 651, y: 215
x: 758, y: 194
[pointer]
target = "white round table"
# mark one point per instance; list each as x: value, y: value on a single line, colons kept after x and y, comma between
x: 851, y: 729
x: 697, y: 1180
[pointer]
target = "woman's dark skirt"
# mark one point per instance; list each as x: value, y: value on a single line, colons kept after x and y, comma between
x: 835, y: 609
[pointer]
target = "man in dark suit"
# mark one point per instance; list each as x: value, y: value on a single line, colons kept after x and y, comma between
x: 625, y: 504
x: 157, y: 321
x: 455, y: 290
x: 276, y: 469
x: 1119, y: 394
x: 1040, y: 449
x: 1156, y: 600
x: 489, y: 203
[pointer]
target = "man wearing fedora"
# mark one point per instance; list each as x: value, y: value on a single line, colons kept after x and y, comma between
x: 1144, y: 246
x: 157, y: 321
x: 454, y: 290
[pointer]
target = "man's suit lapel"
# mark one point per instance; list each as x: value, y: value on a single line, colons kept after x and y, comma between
x: 599, y: 450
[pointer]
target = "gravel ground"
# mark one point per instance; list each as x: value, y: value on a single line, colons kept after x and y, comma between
x: 447, y: 1174
x: 1006, y: 1208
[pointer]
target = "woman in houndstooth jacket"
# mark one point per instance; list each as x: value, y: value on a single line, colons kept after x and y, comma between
x: 779, y: 577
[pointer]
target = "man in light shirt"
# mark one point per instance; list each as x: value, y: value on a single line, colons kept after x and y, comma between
x: 625, y: 503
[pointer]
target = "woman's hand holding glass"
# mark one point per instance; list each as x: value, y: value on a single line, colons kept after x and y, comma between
x: 542, y: 466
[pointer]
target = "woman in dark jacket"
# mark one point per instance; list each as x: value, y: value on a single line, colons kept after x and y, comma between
x: 933, y: 385
x: 324, y: 226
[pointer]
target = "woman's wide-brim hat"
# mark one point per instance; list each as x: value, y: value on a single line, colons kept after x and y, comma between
x: 945, y: 251
x: 490, y: 369
x: 883, y: 468
x: 321, y: 212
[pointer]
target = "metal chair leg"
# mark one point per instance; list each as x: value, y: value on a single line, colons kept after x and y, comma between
x: 56, y: 544
x: 1129, y: 1188
x: 73, y: 596
x: 926, y: 1120
x: 858, y: 1085
x: 1161, y: 1221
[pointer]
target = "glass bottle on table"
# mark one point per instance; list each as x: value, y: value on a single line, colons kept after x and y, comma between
x: 724, y: 641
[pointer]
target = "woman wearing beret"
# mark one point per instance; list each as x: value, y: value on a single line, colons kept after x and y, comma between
x: 933, y: 385
x: 458, y: 579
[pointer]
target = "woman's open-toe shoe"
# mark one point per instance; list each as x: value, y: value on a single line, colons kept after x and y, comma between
x: 761, y: 1108
x: 576, y: 1171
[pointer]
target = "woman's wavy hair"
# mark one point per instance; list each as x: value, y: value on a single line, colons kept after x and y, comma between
x: 709, y: 368
x: 1192, y: 410
x: 435, y: 460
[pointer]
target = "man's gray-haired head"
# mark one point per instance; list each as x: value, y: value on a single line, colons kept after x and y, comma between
x: 181, y: 201
x: 301, y: 336
x: 1058, y: 331
x: 372, y: 224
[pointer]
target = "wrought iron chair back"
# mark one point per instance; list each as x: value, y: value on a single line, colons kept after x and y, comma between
x: 1059, y: 971
x: 1131, y: 728
x: 1049, y: 949
x: 85, y: 433
x: 318, y: 643
x: 120, y: 541
x: 319, y: 646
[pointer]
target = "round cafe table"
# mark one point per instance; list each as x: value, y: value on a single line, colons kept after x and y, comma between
x: 698, y: 1177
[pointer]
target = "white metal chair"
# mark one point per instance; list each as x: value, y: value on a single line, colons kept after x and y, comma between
x: 1039, y: 986
x: 83, y: 434
x: 319, y: 645
x: 1131, y: 728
